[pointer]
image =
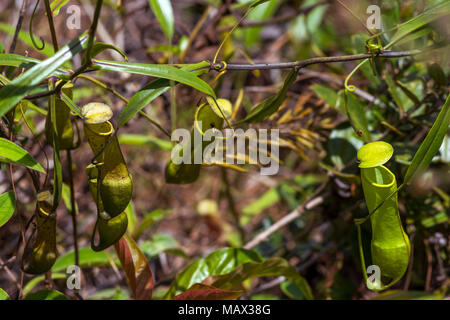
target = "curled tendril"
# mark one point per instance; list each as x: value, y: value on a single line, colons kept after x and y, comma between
x: 352, y: 88
x: 390, y: 245
x: 43, y: 254
x: 30, y: 29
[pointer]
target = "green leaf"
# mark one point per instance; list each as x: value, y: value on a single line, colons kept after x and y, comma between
x: 3, y: 295
x: 12, y: 153
x: 268, y: 268
x: 291, y: 290
x: 433, y: 13
x: 396, y: 93
x: 144, y: 141
x: 72, y: 106
x: 408, y: 295
x: 257, y: 3
x: 17, y: 89
x: 254, y: 208
x: 56, y: 6
x: 269, y: 106
x: 160, y: 243
x: 217, y: 263
x: 46, y: 295
x: 325, y: 93
x: 204, y: 292
x: 88, y: 259
x: 430, y: 144
x: 149, y: 220
x: 16, y: 60
x: 36, y: 280
x: 357, y: 116
x: 151, y: 91
x: 156, y: 70
x: 25, y: 38
x: 164, y: 13
x: 98, y: 47
x: 7, y: 206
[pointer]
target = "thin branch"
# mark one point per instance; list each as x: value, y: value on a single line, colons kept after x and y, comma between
x: 303, y: 63
x: 309, y: 204
x: 48, y: 10
x: 18, y: 26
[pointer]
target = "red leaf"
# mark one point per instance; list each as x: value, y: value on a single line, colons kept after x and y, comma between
x: 204, y: 292
x: 136, y: 268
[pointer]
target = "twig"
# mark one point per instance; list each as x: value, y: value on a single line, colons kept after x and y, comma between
x: 48, y: 10
x: 303, y: 63
x: 18, y: 26
x: 309, y: 204
x: 73, y: 211
x: 231, y: 203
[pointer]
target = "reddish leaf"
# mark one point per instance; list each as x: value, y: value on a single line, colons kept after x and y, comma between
x: 136, y: 268
x: 204, y: 292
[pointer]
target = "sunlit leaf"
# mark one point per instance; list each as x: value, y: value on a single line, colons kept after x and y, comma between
x: 218, y: 262
x: 164, y: 13
x: 7, y: 206
x: 17, y: 89
x: 430, y: 144
x: 12, y: 153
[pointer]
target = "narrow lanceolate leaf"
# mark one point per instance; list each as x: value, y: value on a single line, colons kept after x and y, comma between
x: 99, y: 47
x: 16, y: 60
x: 357, y: 116
x: 428, y: 16
x: 268, y: 268
x: 56, y: 5
x: 3, y: 295
x: 431, y: 144
x: 136, y: 268
x: 156, y: 70
x: 151, y: 91
x: 269, y: 106
x: 46, y: 295
x: 257, y: 3
x: 7, y: 206
x: 12, y: 153
x: 204, y: 292
x: 17, y: 89
x: 69, y: 102
x: 164, y: 13
x: 24, y: 37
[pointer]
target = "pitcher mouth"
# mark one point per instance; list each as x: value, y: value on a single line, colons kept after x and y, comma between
x: 391, y: 176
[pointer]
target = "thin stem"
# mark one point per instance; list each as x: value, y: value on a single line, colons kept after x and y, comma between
x: 18, y: 26
x: 48, y: 10
x: 73, y: 210
x: 307, y: 62
x: 231, y: 203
